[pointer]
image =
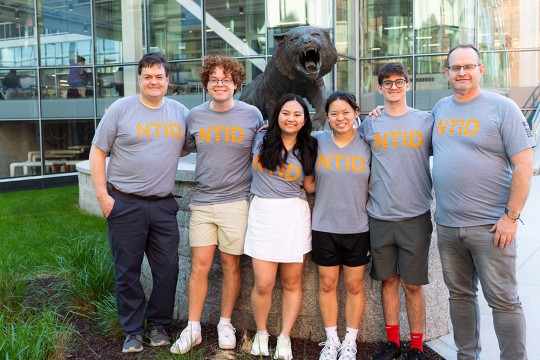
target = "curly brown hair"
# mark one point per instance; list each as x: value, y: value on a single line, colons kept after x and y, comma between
x: 231, y: 67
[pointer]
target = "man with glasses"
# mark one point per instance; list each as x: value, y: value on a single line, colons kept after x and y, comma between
x: 221, y: 131
x: 399, y: 207
x: 482, y: 169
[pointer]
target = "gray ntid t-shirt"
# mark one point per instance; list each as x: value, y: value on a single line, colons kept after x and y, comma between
x: 282, y: 183
x: 223, y: 142
x: 400, y: 182
x: 145, y: 145
x: 472, y: 145
x: 341, y: 176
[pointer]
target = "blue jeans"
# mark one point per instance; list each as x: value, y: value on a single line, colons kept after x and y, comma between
x: 468, y: 256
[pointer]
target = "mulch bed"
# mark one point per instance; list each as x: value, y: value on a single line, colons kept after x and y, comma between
x: 89, y: 344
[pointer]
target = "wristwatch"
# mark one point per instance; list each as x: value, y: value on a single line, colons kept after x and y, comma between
x: 512, y: 214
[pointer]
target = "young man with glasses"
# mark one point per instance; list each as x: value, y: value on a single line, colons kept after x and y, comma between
x: 221, y: 132
x: 399, y: 207
x: 482, y: 169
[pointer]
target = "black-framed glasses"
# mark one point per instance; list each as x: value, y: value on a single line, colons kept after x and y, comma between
x: 387, y: 84
x: 457, y: 68
x: 224, y: 82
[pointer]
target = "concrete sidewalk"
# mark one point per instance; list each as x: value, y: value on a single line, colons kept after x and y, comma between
x: 528, y: 273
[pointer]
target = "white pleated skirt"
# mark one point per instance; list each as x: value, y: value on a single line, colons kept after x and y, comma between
x: 279, y: 230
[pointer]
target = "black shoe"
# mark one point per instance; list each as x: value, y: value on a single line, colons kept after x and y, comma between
x: 416, y: 354
x: 390, y: 352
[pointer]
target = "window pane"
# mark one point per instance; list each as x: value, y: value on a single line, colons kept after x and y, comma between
x: 430, y: 82
x: 113, y: 82
x: 440, y: 25
x: 62, y: 32
x: 345, y: 75
x: 299, y: 12
x: 65, y: 142
x: 18, y: 94
x: 59, y: 99
x: 119, y: 31
x: 17, y: 140
x: 184, y: 84
x: 235, y: 30
x: 509, y: 24
x: 369, y: 94
x: 175, y: 30
x: 513, y: 74
x: 17, y: 34
x: 344, y: 30
x: 385, y: 27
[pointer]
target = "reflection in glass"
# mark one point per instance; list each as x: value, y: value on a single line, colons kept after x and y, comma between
x: 369, y: 92
x: 65, y: 142
x: 508, y: 24
x: 175, y: 30
x: 17, y: 139
x: 344, y: 32
x: 442, y: 24
x: 63, y: 31
x: 59, y: 99
x: 17, y: 34
x: 112, y: 83
x: 513, y: 74
x: 345, y: 74
x: 386, y: 29
x: 235, y: 30
x: 430, y: 83
x: 184, y: 84
x: 18, y: 94
x: 119, y: 31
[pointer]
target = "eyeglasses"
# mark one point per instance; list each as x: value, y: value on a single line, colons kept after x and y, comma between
x: 457, y: 68
x: 224, y: 82
x: 387, y: 84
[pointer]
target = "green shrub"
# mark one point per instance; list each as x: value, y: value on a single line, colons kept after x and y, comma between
x: 106, y: 317
x: 13, y: 282
x: 85, y: 274
x: 39, y: 336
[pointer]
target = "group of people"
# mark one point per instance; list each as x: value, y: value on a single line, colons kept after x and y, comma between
x: 372, y: 186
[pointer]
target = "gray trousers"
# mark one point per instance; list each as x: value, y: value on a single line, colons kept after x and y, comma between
x: 468, y: 256
x: 138, y: 227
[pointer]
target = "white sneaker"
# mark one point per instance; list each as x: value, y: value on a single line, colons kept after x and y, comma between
x: 260, y: 344
x: 330, y: 349
x: 283, y: 348
x: 188, y: 339
x: 226, y: 337
x: 347, y: 351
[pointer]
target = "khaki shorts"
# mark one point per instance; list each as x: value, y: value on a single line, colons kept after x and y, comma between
x: 223, y: 225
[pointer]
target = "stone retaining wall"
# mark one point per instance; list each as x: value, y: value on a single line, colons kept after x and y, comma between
x: 309, y: 324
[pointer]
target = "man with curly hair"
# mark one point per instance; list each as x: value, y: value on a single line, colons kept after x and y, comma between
x: 221, y: 132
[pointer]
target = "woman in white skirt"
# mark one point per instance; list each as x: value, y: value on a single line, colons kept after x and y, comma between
x: 279, y: 222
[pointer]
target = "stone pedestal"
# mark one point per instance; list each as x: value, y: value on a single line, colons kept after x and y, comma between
x: 309, y: 324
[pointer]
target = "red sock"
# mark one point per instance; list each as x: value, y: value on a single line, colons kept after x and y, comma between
x: 392, y: 333
x: 416, y: 341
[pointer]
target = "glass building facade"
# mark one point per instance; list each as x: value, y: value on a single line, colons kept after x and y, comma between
x: 51, y: 100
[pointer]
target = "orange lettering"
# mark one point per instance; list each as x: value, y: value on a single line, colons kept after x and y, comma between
x: 418, y: 142
x: 472, y: 132
x: 141, y: 130
x: 288, y: 175
x: 380, y: 142
x: 175, y: 130
x: 204, y: 135
x: 324, y: 162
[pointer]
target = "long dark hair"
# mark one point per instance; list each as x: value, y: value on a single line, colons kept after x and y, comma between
x: 273, y: 154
